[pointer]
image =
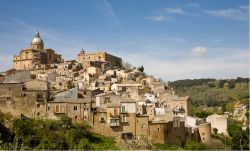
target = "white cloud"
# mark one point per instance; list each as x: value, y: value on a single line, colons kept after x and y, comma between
x: 213, y: 67
x: 239, y: 13
x: 174, y: 11
x: 194, y: 4
x: 157, y: 18
x: 166, y: 13
x: 199, y: 51
x: 108, y: 11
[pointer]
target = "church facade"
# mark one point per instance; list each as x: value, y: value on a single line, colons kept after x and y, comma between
x: 35, y: 56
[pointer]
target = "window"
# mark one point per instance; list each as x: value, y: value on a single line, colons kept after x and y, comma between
x: 38, y: 114
x: 48, y: 108
x: 75, y: 117
x: 26, y: 55
x: 57, y: 108
x: 123, y: 118
x: 158, y: 129
x: 9, y: 88
x: 38, y: 105
x: 107, y: 99
x: 39, y: 96
x: 102, y: 120
x: 75, y: 108
x: 123, y: 109
x: 115, y: 112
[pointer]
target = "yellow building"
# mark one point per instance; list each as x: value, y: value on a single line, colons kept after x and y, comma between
x: 99, y: 56
x: 35, y: 56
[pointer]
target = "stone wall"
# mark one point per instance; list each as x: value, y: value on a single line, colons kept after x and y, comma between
x: 205, y: 132
x: 157, y: 132
x: 142, y: 126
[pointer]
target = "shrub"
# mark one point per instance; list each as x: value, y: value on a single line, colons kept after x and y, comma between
x: 191, y: 145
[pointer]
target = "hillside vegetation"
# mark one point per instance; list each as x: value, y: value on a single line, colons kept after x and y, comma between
x: 213, y: 95
x: 209, y: 96
x: 29, y: 134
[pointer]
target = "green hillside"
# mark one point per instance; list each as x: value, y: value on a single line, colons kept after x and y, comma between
x: 36, y: 134
x: 213, y: 95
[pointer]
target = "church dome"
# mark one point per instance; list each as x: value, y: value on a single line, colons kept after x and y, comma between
x: 37, y: 39
x: 37, y: 42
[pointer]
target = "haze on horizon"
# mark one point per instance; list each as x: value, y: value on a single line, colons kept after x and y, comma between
x: 176, y: 39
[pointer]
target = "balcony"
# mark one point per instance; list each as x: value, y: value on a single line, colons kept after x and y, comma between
x: 114, y: 122
x: 124, y: 121
x: 124, y: 112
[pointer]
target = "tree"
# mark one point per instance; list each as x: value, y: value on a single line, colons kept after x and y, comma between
x: 240, y: 138
x: 5, y: 134
x: 215, y: 130
x: 241, y: 80
x: 34, y: 134
x: 85, y: 144
x: 126, y: 65
x: 70, y: 85
x: 211, y: 84
x: 202, y: 114
x: 140, y: 68
x: 221, y: 83
x: 231, y: 84
x: 66, y: 121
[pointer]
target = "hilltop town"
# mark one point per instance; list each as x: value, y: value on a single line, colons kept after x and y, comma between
x: 115, y: 99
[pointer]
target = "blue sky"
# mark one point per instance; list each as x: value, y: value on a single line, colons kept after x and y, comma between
x: 173, y: 39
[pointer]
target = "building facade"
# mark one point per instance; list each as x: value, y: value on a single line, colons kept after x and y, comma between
x: 99, y: 57
x: 35, y: 56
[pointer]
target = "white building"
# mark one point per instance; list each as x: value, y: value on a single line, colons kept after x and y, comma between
x: 150, y: 97
x: 219, y: 122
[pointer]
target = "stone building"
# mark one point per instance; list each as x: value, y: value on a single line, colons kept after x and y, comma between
x: 200, y: 125
x: 35, y: 56
x: 29, y: 98
x: 101, y: 57
x: 107, y: 120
